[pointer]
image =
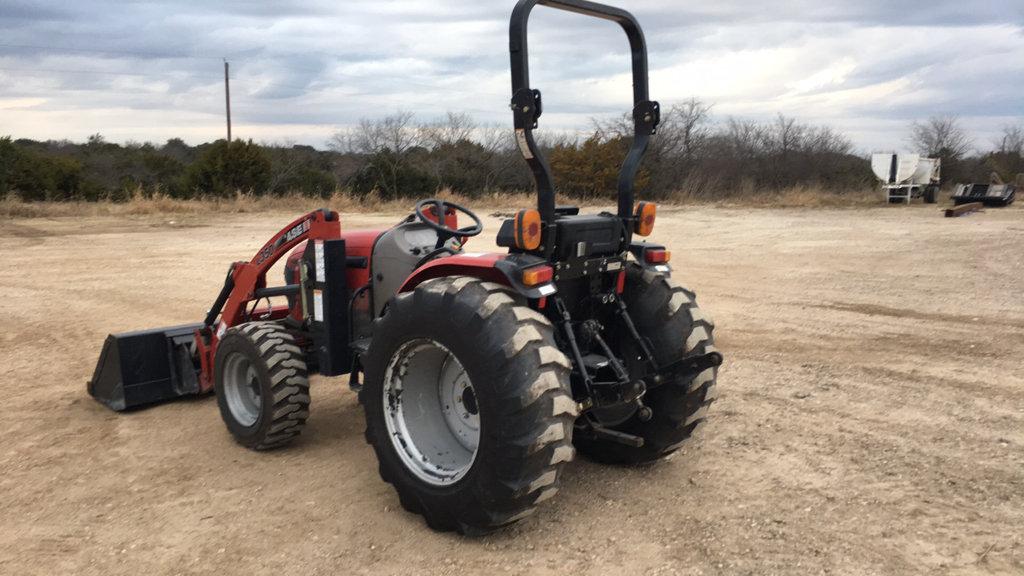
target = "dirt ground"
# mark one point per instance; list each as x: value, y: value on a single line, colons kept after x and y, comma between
x: 870, y: 420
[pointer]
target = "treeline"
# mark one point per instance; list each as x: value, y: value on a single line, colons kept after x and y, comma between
x: 396, y: 156
x: 100, y: 170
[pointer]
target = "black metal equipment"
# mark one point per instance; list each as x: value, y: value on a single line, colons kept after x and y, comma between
x: 992, y: 195
x: 326, y: 300
x: 527, y: 107
x: 140, y: 368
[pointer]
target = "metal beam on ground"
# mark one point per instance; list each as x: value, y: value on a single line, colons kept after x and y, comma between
x: 963, y: 209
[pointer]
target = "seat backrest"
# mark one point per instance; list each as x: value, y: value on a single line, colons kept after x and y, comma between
x: 395, y: 255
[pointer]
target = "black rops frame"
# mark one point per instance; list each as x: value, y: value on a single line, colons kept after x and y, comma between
x: 526, y: 102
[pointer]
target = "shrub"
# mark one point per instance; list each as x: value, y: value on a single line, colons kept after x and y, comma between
x: 591, y: 170
x: 225, y: 167
x: 390, y: 176
x: 37, y: 176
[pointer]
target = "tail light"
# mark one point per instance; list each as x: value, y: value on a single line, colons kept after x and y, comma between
x: 657, y: 256
x: 536, y: 275
x: 644, y: 218
x: 527, y: 229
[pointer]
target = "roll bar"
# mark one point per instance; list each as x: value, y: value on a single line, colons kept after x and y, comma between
x: 526, y: 102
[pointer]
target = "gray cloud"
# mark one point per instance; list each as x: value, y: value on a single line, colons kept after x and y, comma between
x: 153, y: 70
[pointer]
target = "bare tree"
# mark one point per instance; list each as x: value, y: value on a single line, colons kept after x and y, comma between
x: 502, y: 154
x: 825, y: 140
x: 496, y: 138
x: 690, y: 121
x: 283, y: 165
x: 673, y: 154
x: 453, y: 128
x: 394, y: 133
x: 341, y: 141
x: 744, y: 138
x: 1012, y: 140
x: 386, y: 141
x: 786, y: 136
x: 443, y: 137
x: 683, y: 129
x: 941, y: 136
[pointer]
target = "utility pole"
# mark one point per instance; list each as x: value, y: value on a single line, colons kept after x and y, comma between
x: 227, y: 97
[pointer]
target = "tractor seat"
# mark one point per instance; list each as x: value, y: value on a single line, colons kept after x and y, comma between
x: 398, y: 252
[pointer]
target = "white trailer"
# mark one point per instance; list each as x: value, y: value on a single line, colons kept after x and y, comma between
x: 907, y: 176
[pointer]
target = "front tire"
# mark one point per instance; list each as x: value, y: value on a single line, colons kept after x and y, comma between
x: 668, y: 316
x: 446, y: 337
x: 262, y: 385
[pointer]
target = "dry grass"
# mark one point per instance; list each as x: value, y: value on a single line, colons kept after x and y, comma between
x: 802, y: 197
x: 12, y: 207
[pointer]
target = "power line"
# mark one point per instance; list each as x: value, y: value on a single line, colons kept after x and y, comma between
x: 107, y: 51
x: 312, y: 89
x: 86, y: 72
x: 390, y: 99
x: 354, y: 77
x: 252, y: 81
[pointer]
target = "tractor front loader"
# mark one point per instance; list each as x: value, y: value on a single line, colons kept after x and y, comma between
x: 480, y: 374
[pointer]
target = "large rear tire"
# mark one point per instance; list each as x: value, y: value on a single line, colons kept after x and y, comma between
x: 667, y: 315
x: 468, y: 405
x: 262, y: 385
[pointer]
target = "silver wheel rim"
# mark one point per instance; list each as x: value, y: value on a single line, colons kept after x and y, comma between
x: 242, y: 389
x: 431, y: 412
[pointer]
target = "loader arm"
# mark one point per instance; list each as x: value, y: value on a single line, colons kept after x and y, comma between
x: 246, y: 282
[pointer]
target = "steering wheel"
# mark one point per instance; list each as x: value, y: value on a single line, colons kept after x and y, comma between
x: 443, y: 231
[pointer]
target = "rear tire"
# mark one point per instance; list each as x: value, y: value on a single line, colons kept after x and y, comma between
x: 668, y: 316
x: 523, y: 406
x: 262, y: 385
x: 931, y: 195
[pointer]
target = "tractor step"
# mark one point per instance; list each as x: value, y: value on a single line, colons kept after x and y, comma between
x: 140, y: 368
x: 359, y: 347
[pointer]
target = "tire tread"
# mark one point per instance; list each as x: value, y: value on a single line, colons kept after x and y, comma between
x: 289, y: 377
x: 538, y: 409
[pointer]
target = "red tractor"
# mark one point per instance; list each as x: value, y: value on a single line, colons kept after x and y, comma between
x: 480, y: 375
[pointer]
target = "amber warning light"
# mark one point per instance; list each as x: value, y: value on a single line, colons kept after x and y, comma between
x: 644, y: 218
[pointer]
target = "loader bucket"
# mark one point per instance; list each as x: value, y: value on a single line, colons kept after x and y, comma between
x: 140, y: 368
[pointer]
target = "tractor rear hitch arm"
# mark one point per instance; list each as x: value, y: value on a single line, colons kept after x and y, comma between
x: 625, y: 391
x: 592, y: 329
x: 688, y: 366
x: 635, y: 334
x: 574, y: 347
x: 602, y: 433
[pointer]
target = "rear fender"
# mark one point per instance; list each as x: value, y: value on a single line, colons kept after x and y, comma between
x: 499, y: 268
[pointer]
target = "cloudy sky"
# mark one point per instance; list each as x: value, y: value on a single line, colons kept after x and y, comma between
x: 148, y: 71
